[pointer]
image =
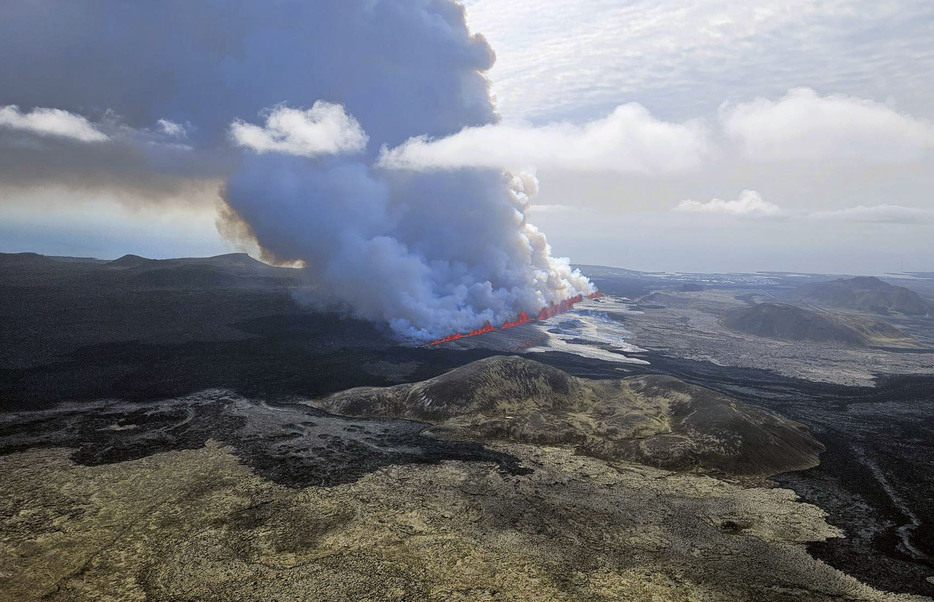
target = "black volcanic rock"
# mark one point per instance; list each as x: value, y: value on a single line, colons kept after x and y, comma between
x: 53, y: 306
x: 291, y: 444
x: 656, y: 420
x: 187, y: 276
x: 864, y: 293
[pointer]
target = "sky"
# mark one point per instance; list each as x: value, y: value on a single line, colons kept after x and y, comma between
x: 816, y: 119
x: 706, y: 136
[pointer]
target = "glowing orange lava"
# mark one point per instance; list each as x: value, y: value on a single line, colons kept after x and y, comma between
x: 548, y: 312
x: 522, y: 319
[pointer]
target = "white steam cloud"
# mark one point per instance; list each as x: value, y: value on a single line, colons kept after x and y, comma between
x: 50, y: 122
x: 430, y: 256
x: 629, y: 139
x: 324, y: 129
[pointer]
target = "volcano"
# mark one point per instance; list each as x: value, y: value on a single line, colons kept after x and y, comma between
x: 547, y: 312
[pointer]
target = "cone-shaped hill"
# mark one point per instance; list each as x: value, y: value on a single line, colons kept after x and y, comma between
x: 656, y: 420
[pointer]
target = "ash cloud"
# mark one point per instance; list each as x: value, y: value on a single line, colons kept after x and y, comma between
x: 289, y: 104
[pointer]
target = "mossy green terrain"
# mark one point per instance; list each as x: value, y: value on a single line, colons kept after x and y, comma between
x: 199, y: 525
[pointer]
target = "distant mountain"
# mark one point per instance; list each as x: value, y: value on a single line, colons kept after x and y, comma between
x: 653, y: 419
x: 232, y: 269
x: 35, y: 259
x: 864, y: 293
x: 791, y: 323
x: 130, y: 261
x: 229, y: 260
x: 50, y: 306
x: 24, y: 259
x: 232, y: 260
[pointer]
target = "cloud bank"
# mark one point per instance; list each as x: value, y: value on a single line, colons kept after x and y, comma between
x: 803, y: 126
x: 751, y: 204
x: 877, y: 214
x: 629, y: 139
x: 569, y: 60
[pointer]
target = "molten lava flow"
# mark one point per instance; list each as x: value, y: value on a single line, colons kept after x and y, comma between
x: 559, y: 308
x: 486, y: 328
x: 522, y: 319
x: 447, y: 339
x: 548, y: 312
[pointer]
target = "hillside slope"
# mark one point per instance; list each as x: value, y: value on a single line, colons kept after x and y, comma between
x: 864, y: 293
x: 656, y: 420
x: 792, y: 323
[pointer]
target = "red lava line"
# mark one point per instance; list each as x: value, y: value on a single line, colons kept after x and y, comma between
x: 548, y: 312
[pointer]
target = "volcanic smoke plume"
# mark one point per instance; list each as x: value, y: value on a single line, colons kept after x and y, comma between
x: 290, y: 104
x: 428, y: 253
x: 431, y: 254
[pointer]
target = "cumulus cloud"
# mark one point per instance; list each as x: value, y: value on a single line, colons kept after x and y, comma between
x: 50, y: 122
x: 749, y: 204
x: 324, y: 129
x: 629, y: 139
x: 171, y: 129
x: 805, y: 126
x: 877, y: 214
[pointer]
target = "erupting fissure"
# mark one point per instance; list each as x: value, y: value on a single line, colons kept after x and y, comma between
x: 547, y: 312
